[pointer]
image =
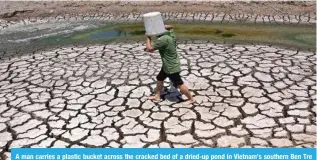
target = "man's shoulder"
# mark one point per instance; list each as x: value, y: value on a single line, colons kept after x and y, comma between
x: 165, y: 38
x: 162, y: 39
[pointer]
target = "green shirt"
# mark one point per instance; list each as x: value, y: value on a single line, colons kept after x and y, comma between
x: 166, y: 44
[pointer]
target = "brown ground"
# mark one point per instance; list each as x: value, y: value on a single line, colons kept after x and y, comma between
x: 17, y: 10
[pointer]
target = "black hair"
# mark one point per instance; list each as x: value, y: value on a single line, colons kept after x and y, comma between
x: 159, y: 35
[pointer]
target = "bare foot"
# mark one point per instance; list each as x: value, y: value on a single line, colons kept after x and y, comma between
x: 191, y: 101
x: 155, y: 98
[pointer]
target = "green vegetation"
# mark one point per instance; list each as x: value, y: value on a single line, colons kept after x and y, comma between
x: 299, y: 36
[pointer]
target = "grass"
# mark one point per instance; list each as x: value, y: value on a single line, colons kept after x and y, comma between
x: 299, y: 36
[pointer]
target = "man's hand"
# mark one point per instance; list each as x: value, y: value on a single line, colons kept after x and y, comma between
x: 168, y: 27
x: 148, y: 44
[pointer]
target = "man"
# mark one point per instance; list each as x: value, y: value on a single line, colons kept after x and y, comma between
x: 166, y: 44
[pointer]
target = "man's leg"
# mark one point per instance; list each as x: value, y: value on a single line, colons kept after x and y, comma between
x: 159, y: 86
x: 184, y: 90
x: 178, y: 82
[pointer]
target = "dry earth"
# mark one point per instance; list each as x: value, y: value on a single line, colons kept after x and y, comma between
x: 14, y: 10
x: 247, y: 95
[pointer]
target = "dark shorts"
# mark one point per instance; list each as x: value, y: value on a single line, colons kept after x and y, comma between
x: 175, y: 78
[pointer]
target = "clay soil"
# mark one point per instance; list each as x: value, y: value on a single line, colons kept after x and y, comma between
x: 24, y: 9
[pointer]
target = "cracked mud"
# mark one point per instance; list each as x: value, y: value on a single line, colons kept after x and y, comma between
x: 247, y: 96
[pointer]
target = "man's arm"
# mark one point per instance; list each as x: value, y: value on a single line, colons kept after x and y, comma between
x: 149, y: 47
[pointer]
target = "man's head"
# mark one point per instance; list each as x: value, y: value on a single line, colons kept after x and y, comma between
x: 165, y: 32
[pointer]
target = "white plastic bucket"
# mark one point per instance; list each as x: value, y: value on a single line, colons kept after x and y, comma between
x: 153, y: 23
